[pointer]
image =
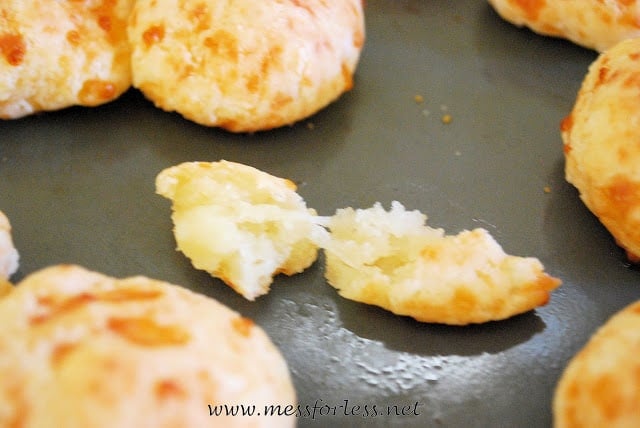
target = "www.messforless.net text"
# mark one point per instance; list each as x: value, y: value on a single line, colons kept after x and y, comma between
x: 318, y: 409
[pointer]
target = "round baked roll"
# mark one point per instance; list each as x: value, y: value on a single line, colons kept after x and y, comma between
x: 601, y: 148
x: 9, y: 256
x: 600, y: 386
x: 80, y: 349
x: 393, y: 260
x: 55, y: 54
x: 594, y: 24
x: 245, y: 65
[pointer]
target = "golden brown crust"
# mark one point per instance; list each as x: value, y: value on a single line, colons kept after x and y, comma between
x: 594, y: 24
x: 5, y: 288
x: 601, y: 143
x: 600, y: 387
x: 80, y: 349
x: 57, y: 54
x: 220, y: 65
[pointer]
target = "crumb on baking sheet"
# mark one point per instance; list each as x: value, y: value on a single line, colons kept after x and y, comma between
x: 446, y: 119
x: 547, y: 189
x: 419, y: 99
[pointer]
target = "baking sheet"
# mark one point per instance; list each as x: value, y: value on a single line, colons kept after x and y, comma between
x: 78, y: 187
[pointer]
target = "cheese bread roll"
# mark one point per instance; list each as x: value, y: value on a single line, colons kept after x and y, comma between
x: 55, y: 54
x: 600, y: 387
x: 393, y: 260
x: 9, y: 257
x: 80, y: 349
x: 238, y: 223
x: 594, y: 24
x: 245, y: 65
x: 601, y: 148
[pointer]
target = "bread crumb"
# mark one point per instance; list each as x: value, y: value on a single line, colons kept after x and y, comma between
x: 419, y: 99
x: 446, y: 119
x: 547, y: 189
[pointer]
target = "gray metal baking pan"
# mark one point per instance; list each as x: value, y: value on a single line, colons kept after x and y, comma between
x: 78, y: 186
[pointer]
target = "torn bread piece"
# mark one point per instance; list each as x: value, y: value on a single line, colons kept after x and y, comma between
x: 240, y: 224
x: 393, y: 260
x: 600, y: 387
x: 56, y: 54
x: 9, y: 257
x: 81, y: 349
